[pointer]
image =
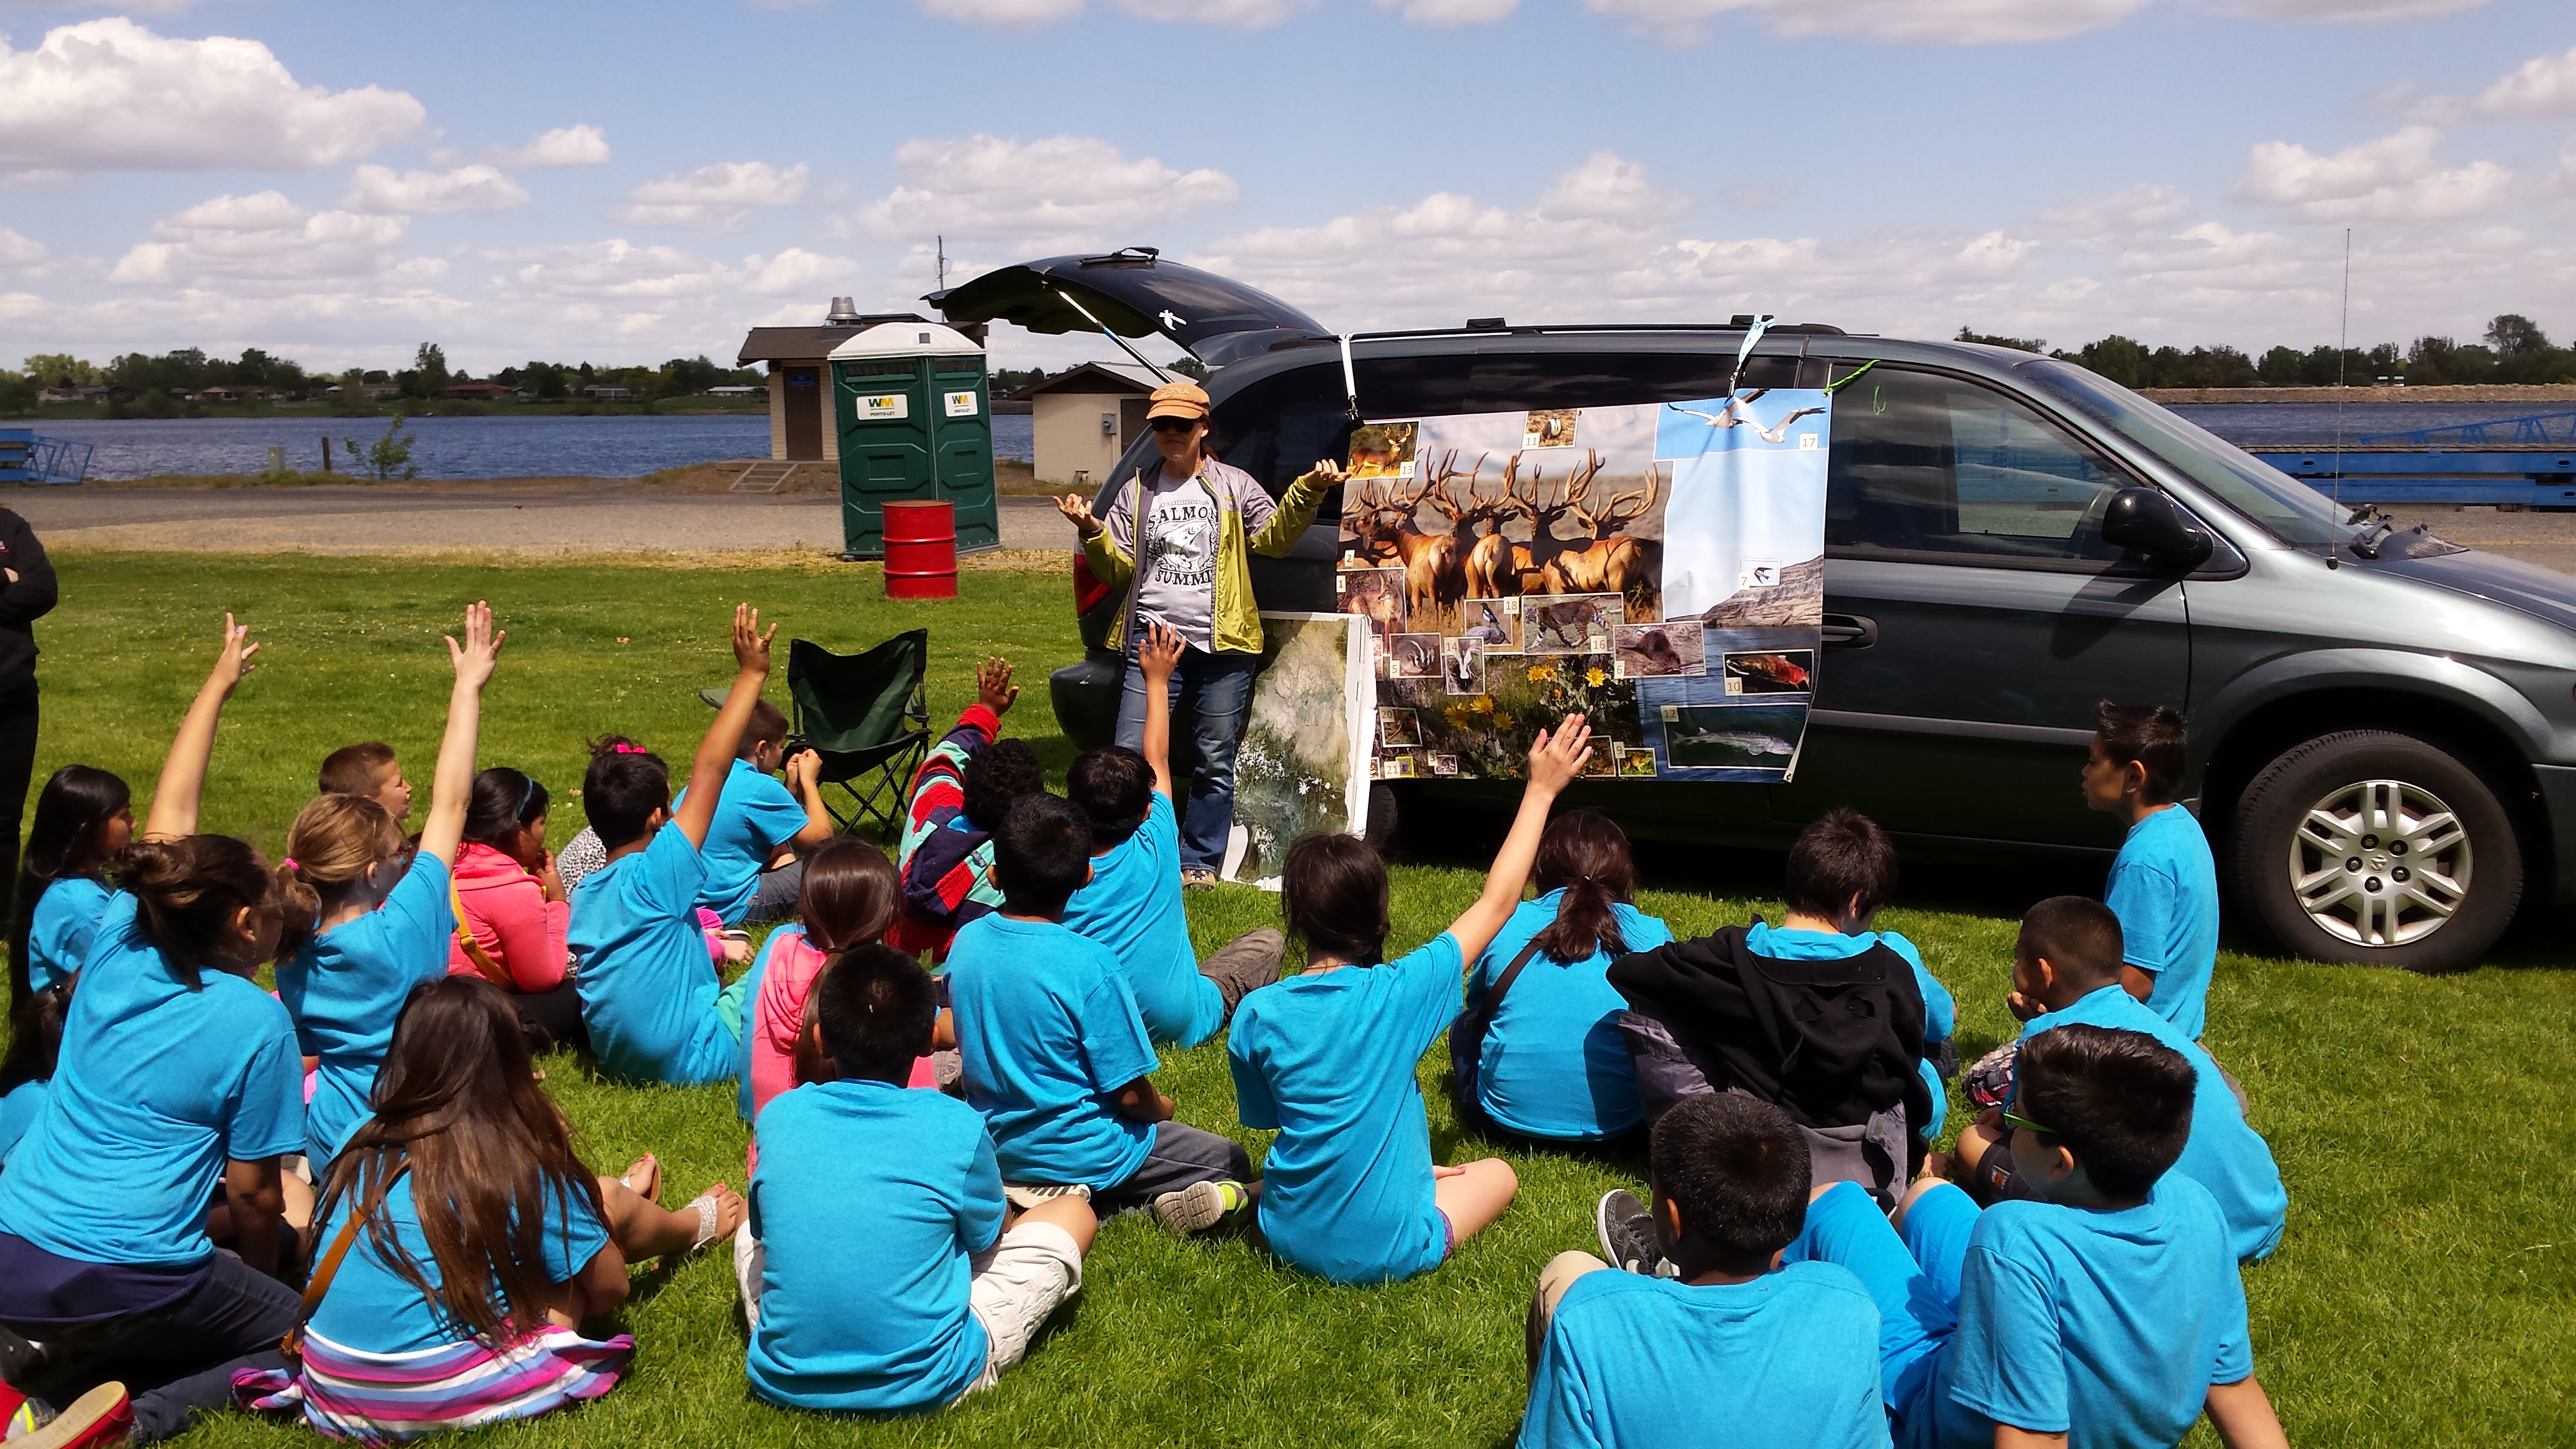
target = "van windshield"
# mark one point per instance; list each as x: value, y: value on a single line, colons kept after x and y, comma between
x: 2281, y: 505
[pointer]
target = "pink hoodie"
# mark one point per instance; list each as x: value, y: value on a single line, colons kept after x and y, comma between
x: 777, y: 1018
x: 511, y: 919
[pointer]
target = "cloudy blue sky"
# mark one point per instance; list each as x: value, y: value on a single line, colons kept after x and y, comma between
x: 338, y: 182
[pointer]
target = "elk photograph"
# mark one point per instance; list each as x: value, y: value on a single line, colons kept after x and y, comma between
x: 1484, y: 517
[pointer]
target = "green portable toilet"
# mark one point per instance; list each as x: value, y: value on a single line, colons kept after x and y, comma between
x: 916, y: 421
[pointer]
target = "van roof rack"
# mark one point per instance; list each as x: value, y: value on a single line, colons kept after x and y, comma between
x: 1482, y: 326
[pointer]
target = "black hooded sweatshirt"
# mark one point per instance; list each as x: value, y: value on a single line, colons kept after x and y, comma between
x: 1830, y: 1042
x: 21, y: 603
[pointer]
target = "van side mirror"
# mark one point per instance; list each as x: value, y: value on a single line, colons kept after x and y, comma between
x: 2146, y: 521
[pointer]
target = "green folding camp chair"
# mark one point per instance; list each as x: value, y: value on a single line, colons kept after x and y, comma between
x: 866, y: 715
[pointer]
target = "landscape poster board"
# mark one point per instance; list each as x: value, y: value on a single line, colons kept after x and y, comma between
x: 1308, y: 739
x: 1657, y: 567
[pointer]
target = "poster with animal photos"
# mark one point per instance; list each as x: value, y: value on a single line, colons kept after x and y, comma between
x: 1656, y: 567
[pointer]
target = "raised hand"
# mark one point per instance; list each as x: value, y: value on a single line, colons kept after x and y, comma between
x: 1161, y: 653
x: 1557, y: 757
x: 482, y: 647
x: 803, y: 769
x: 1077, y: 511
x: 993, y: 687
x: 750, y: 642
x: 1327, y: 471
x: 235, y: 659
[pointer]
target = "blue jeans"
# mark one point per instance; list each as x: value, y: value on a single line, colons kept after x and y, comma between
x: 1218, y: 689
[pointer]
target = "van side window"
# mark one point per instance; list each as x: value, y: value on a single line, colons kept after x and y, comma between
x: 1924, y: 464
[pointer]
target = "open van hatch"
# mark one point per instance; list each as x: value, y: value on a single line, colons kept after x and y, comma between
x: 1134, y: 293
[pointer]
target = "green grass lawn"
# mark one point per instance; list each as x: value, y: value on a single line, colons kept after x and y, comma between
x: 2422, y: 1295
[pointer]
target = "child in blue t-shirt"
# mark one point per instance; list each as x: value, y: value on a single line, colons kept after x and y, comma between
x: 1056, y: 1056
x: 83, y: 817
x: 27, y: 1070
x: 174, y: 1056
x: 762, y: 827
x: 502, y: 1242
x: 2066, y: 970
x: 882, y: 1271
x: 1627, y: 1360
x: 1133, y: 903
x: 1328, y: 1058
x: 2108, y: 1311
x: 648, y: 989
x: 2164, y: 882
x: 1551, y: 1065
x: 368, y: 918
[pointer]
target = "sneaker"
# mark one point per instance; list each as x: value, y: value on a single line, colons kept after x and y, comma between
x: 1197, y: 878
x: 1627, y: 1234
x: 1026, y: 1195
x: 1200, y: 1206
x: 100, y: 1417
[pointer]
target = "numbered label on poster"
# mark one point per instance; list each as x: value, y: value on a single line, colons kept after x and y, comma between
x: 960, y: 404
x: 884, y: 407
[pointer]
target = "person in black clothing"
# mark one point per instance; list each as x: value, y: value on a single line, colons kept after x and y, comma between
x: 27, y: 593
x: 1820, y: 1016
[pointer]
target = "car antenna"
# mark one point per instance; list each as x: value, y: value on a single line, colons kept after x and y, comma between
x: 2343, y: 360
x: 1076, y: 304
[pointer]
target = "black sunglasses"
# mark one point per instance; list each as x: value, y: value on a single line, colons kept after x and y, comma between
x: 1175, y: 425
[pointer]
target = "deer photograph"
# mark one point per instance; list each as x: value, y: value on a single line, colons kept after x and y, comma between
x: 1381, y: 524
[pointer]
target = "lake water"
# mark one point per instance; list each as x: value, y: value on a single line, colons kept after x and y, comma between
x: 628, y: 447
x: 488, y: 447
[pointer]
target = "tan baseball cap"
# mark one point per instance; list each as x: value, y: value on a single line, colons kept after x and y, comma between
x: 1177, y: 400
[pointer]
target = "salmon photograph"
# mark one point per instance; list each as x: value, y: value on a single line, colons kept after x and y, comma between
x: 1789, y: 671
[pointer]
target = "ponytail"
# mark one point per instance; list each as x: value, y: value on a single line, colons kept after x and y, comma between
x: 186, y: 893
x: 1585, y: 855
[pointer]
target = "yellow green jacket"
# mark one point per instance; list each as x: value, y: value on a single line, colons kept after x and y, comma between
x: 1248, y: 522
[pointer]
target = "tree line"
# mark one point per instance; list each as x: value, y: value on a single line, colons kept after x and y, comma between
x: 2512, y: 350
x: 150, y: 383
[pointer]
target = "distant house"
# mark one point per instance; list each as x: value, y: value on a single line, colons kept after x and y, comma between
x: 800, y: 377
x: 1083, y: 419
x: 214, y: 395
x: 480, y: 391
x: 86, y: 392
x: 607, y: 391
x: 737, y: 389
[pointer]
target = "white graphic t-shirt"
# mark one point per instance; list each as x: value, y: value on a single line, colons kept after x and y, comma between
x: 1178, y: 560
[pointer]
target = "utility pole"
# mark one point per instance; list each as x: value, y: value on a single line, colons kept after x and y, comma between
x: 943, y: 263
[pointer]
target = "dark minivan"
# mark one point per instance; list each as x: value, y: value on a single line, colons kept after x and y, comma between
x: 2383, y: 726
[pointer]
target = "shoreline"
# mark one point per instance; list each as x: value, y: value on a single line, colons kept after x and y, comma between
x: 2550, y: 392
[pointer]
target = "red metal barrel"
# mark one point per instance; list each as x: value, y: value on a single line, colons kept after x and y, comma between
x: 920, y: 550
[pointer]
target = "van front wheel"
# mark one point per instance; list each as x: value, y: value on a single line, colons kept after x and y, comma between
x: 2373, y: 848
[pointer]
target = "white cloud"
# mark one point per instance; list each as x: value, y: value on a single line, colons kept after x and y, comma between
x: 1606, y: 188
x: 2117, y: 216
x: 797, y: 270
x: 18, y: 251
x: 1969, y: 22
x: 264, y: 242
x: 1451, y: 12
x: 1945, y: 22
x: 1235, y: 14
x: 1003, y: 14
x: 2392, y: 178
x: 467, y: 188
x: 2544, y: 86
x: 563, y: 146
x: 1062, y: 192
x: 2365, y: 11
x: 110, y: 95
x: 722, y: 197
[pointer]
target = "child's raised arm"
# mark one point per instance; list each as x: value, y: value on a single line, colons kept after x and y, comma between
x: 183, y: 775
x: 453, y: 784
x: 724, y: 738
x: 1160, y: 656
x: 1554, y: 761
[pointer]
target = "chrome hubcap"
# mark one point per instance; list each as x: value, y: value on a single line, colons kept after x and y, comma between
x: 2380, y: 863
